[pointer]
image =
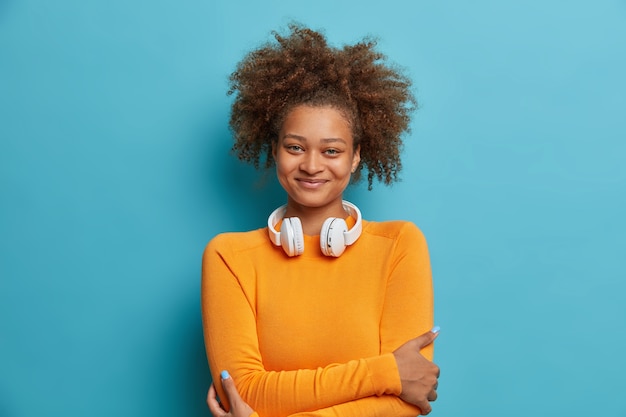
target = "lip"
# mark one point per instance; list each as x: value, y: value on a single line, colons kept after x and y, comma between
x: 311, y: 183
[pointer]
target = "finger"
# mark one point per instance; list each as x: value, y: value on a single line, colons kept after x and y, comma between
x: 432, y: 396
x: 211, y: 395
x: 214, y: 405
x: 230, y: 389
x: 428, y: 337
x: 424, y: 407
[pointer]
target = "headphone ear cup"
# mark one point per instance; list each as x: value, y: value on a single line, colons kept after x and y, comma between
x: 291, y: 236
x: 298, y: 235
x: 332, y: 242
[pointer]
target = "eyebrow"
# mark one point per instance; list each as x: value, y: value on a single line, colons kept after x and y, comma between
x: 303, y: 139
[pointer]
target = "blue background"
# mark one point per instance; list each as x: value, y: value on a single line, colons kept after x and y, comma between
x: 115, y: 172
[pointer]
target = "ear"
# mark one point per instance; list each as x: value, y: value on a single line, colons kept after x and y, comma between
x: 274, y: 146
x: 356, y: 158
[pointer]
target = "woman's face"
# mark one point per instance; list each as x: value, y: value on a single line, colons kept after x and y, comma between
x: 315, y: 156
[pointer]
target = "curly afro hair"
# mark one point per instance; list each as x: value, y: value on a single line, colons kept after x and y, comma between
x: 302, y: 69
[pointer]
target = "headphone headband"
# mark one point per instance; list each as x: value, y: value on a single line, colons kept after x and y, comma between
x: 353, y: 234
x: 349, y: 236
x: 276, y: 215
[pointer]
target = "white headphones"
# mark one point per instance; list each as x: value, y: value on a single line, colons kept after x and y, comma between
x: 334, y: 236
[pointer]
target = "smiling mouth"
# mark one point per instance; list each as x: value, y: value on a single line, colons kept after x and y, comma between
x: 311, y: 183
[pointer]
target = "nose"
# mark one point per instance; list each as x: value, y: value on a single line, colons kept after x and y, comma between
x: 311, y: 163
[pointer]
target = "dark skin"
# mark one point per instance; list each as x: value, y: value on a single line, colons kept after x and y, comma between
x: 418, y: 376
x: 238, y: 407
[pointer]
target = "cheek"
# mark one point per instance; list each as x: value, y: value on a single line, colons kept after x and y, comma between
x: 283, y: 170
x: 343, y: 169
x: 280, y: 173
x: 281, y: 165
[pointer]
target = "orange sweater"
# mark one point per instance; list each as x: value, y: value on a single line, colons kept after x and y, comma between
x: 313, y: 335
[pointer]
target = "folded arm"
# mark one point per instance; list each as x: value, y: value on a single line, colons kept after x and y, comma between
x: 364, y: 387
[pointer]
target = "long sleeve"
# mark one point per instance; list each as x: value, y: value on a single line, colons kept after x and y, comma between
x: 385, y: 406
x: 364, y: 383
x: 409, y: 309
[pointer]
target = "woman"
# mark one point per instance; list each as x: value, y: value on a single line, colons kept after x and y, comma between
x: 319, y: 313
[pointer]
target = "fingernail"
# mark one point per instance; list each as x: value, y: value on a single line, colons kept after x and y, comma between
x: 225, y: 375
x: 435, y: 329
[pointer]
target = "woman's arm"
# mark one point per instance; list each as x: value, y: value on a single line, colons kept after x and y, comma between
x: 358, y: 408
x: 409, y: 311
x: 409, y: 308
x: 370, y: 406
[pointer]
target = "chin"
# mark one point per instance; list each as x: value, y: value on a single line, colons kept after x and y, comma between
x: 315, y: 202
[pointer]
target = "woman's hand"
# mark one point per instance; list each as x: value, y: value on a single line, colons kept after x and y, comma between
x: 238, y: 407
x: 417, y: 374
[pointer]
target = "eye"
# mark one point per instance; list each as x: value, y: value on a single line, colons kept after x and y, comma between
x: 294, y: 148
x: 332, y: 152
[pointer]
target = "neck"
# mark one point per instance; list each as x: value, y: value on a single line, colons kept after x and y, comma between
x: 312, y: 218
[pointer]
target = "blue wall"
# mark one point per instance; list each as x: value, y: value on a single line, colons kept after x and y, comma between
x: 115, y: 172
